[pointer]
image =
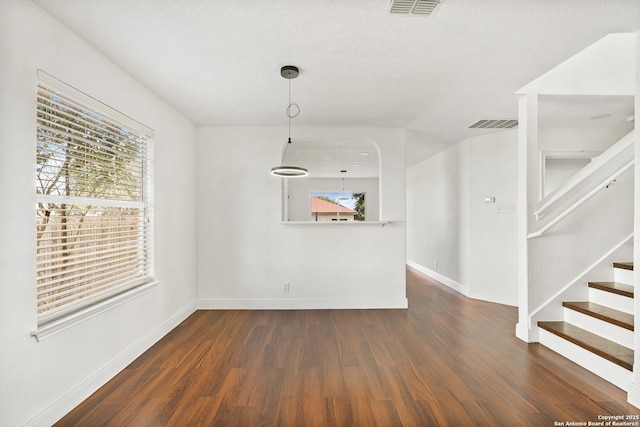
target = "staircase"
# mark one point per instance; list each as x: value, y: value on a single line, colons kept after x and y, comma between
x: 598, y: 334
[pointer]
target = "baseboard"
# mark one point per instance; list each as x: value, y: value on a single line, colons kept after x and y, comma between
x: 523, y: 332
x: 74, y: 397
x: 301, y: 304
x: 464, y: 290
x: 493, y: 298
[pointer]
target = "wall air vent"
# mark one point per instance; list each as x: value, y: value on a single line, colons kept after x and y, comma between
x: 413, y: 7
x: 495, y: 124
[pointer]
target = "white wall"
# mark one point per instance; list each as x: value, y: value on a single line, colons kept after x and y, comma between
x: 434, y: 214
x: 606, y: 67
x: 41, y: 381
x: 300, y: 195
x: 633, y: 395
x: 576, y: 139
x: 449, y: 223
x: 245, y: 253
x: 559, y: 170
x: 492, y: 262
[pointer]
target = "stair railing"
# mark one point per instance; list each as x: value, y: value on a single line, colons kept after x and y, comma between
x: 590, y: 180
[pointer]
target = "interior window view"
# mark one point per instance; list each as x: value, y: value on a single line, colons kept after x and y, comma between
x: 342, y: 171
x: 337, y: 207
x: 319, y: 213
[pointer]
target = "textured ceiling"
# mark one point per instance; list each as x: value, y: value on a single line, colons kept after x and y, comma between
x: 218, y: 61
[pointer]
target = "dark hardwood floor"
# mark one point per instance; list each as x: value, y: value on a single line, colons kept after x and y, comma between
x: 446, y: 361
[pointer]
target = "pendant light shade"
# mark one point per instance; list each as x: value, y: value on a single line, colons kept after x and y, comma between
x: 289, y: 72
x: 289, y: 171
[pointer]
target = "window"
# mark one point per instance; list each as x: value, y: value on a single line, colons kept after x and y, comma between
x: 337, y: 207
x: 93, y: 193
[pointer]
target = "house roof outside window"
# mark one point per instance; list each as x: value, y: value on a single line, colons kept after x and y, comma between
x: 322, y: 206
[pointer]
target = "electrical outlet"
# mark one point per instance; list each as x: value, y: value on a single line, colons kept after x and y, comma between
x: 286, y: 288
x: 435, y: 265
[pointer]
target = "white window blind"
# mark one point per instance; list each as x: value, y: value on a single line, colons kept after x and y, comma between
x: 94, y: 206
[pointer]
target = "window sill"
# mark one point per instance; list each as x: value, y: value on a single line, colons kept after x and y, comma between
x: 336, y: 223
x: 51, y: 328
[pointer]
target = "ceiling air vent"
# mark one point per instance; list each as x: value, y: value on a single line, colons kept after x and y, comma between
x: 495, y: 124
x: 413, y: 7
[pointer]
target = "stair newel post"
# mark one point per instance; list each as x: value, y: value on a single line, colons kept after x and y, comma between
x: 528, y: 189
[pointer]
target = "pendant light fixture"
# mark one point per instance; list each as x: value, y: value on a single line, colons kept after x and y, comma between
x: 289, y: 72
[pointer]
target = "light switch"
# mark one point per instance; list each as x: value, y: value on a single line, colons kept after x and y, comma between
x: 506, y: 208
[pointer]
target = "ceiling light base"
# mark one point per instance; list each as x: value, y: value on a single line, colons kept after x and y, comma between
x: 289, y: 72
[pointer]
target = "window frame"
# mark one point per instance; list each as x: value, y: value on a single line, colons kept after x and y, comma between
x: 136, y: 196
x: 340, y: 196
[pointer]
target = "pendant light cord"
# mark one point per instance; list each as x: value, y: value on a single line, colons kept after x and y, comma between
x: 290, y: 116
x: 287, y: 112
